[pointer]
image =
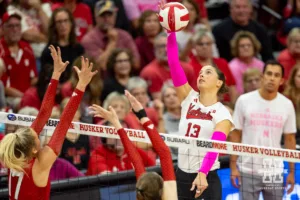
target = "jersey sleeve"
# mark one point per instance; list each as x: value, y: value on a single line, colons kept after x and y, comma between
x: 66, y: 118
x: 132, y: 153
x: 162, y: 150
x: 238, y: 117
x: 46, y: 107
x: 223, y: 114
x: 290, y: 123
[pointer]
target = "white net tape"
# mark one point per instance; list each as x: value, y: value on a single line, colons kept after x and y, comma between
x: 170, y: 140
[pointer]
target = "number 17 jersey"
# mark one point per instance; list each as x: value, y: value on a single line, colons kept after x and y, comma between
x: 198, y: 121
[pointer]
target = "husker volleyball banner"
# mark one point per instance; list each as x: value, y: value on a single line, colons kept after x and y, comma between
x: 170, y: 140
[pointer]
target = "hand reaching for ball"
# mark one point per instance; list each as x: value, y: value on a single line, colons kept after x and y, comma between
x: 173, y: 16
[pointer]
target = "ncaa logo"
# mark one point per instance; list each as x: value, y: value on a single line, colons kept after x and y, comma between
x: 11, y: 117
x: 163, y: 137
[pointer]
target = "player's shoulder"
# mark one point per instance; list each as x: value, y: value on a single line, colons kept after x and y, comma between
x: 220, y: 109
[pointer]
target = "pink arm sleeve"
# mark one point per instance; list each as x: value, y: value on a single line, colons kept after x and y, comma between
x: 177, y: 73
x: 211, y: 157
x: 46, y: 107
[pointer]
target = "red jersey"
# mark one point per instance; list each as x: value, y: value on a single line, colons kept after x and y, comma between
x: 102, y: 159
x: 20, y: 69
x: 22, y: 187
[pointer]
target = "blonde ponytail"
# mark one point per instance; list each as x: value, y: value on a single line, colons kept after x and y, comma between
x: 16, y: 149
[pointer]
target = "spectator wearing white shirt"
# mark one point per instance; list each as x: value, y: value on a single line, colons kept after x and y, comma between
x: 261, y: 117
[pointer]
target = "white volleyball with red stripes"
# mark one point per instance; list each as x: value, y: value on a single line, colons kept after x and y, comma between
x: 174, y: 16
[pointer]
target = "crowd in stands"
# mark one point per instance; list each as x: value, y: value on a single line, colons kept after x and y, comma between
x: 127, y: 45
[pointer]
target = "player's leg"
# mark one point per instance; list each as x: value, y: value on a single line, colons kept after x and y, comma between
x: 184, y: 181
x: 251, y: 187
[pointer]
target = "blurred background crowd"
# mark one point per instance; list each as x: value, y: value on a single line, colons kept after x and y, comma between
x: 125, y: 41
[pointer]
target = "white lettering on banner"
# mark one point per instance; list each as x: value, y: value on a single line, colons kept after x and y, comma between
x: 170, y: 140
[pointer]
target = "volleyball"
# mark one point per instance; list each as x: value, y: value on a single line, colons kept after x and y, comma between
x: 174, y: 16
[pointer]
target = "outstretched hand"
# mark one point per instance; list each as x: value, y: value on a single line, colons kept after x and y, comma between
x: 109, y: 115
x: 135, y: 104
x: 58, y: 64
x: 85, y: 75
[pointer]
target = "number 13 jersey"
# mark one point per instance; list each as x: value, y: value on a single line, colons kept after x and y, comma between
x: 198, y: 121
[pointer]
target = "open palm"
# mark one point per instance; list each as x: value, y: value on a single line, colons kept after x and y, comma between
x: 85, y: 75
x: 59, y: 65
x: 109, y: 115
x: 135, y: 104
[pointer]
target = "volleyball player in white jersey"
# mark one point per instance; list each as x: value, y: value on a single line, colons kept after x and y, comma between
x: 202, y: 116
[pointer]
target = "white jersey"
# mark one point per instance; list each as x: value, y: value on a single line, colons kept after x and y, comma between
x: 198, y: 121
x: 262, y: 123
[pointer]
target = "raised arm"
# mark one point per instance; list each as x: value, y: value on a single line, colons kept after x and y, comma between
x: 111, y: 116
x: 133, y: 154
x: 158, y: 144
x: 177, y: 73
x: 49, y: 98
x: 49, y: 154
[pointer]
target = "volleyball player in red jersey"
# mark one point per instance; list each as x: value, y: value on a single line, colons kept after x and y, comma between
x: 29, y: 165
x: 149, y: 186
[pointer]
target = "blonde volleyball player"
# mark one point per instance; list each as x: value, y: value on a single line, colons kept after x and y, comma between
x: 29, y: 165
x: 202, y: 116
x: 149, y: 186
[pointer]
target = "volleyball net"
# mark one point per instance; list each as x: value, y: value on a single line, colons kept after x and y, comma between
x: 120, y: 185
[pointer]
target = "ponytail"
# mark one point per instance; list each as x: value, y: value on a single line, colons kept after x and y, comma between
x: 16, y: 148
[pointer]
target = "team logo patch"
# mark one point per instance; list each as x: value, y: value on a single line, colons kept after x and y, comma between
x: 11, y: 117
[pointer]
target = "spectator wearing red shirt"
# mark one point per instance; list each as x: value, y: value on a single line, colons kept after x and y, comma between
x: 111, y: 157
x: 157, y: 72
x: 139, y: 89
x: 203, y: 55
x: 291, y: 55
x: 18, y: 58
x: 149, y: 28
x: 120, y: 103
x: 82, y: 15
x: 104, y: 38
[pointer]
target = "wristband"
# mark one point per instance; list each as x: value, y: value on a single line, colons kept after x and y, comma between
x: 140, y: 114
